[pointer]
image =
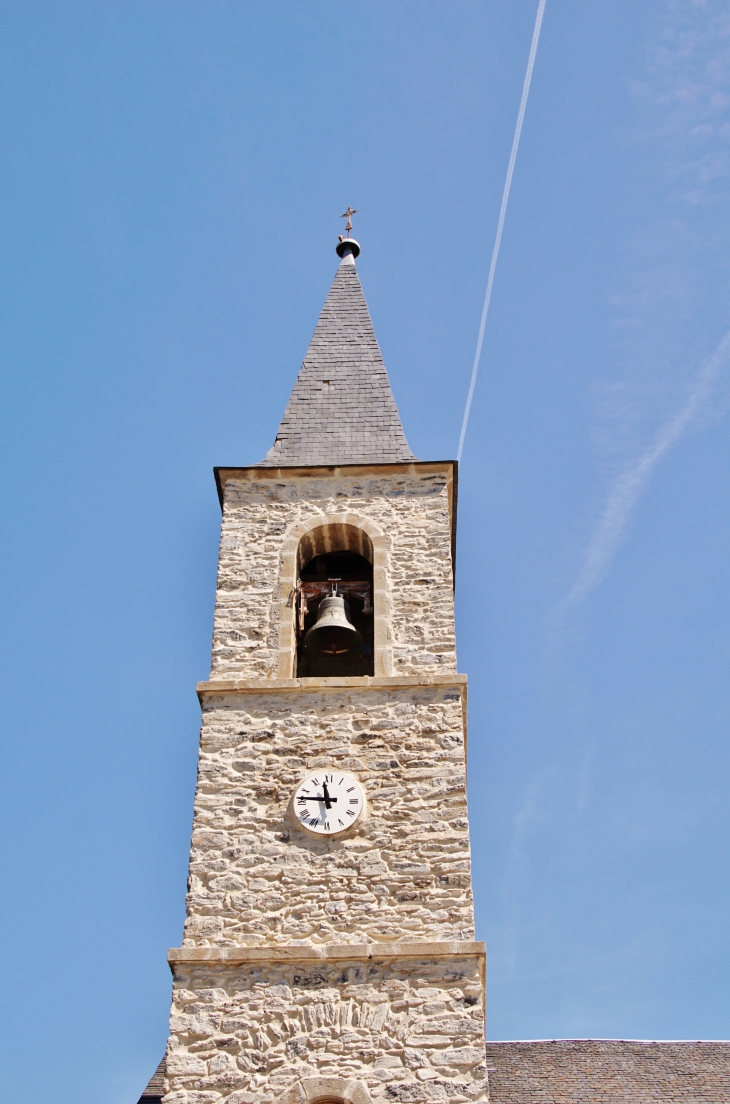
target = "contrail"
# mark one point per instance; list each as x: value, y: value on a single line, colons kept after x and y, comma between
x: 632, y: 482
x: 502, y: 213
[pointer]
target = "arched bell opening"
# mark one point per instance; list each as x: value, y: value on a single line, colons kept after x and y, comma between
x: 326, y: 1090
x: 335, y: 603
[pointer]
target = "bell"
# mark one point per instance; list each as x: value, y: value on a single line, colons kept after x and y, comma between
x: 333, y: 634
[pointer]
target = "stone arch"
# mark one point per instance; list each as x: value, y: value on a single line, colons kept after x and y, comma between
x: 326, y: 1090
x: 323, y: 532
x: 334, y: 537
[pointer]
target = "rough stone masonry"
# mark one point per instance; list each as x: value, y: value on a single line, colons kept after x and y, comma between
x: 311, y: 964
x: 408, y: 503
x: 402, y: 872
x: 408, y: 1028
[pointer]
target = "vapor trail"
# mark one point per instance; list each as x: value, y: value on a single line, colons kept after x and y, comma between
x: 631, y: 483
x: 502, y: 213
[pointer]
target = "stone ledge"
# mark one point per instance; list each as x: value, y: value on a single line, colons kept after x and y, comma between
x: 323, y: 952
x: 364, y: 682
x: 257, y: 474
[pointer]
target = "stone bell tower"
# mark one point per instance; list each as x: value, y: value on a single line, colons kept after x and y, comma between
x: 329, y: 949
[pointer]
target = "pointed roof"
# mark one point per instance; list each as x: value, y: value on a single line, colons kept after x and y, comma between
x: 155, y: 1090
x: 342, y: 409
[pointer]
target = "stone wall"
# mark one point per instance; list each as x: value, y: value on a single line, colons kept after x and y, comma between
x: 407, y: 1029
x: 403, y: 870
x: 310, y: 964
x: 408, y: 504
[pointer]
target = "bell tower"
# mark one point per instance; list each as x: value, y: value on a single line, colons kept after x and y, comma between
x: 329, y: 952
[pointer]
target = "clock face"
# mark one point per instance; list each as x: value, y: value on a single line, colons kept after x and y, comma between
x: 328, y: 802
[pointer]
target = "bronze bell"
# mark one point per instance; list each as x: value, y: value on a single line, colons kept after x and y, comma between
x: 334, y: 633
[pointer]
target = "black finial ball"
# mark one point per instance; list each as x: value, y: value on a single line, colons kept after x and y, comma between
x: 347, y: 245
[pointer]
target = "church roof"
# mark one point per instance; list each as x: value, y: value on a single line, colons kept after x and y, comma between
x: 342, y: 409
x: 614, y: 1071
x: 155, y: 1090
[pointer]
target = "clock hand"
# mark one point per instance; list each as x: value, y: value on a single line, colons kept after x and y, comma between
x: 316, y: 799
x: 327, y: 801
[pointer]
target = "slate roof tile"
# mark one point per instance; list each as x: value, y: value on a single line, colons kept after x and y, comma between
x: 584, y: 1071
x: 155, y: 1086
x: 341, y: 410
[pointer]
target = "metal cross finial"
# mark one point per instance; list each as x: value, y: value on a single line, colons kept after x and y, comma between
x: 348, y: 215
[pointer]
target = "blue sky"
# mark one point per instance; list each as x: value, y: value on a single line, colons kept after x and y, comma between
x: 172, y: 179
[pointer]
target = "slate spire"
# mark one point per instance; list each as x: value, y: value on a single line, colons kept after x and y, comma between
x: 341, y: 410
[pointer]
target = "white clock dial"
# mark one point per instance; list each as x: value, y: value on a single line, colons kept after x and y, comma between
x: 328, y: 802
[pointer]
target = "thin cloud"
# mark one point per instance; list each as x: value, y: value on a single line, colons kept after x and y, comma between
x: 626, y: 491
x: 676, y: 286
x: 517, y: 869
